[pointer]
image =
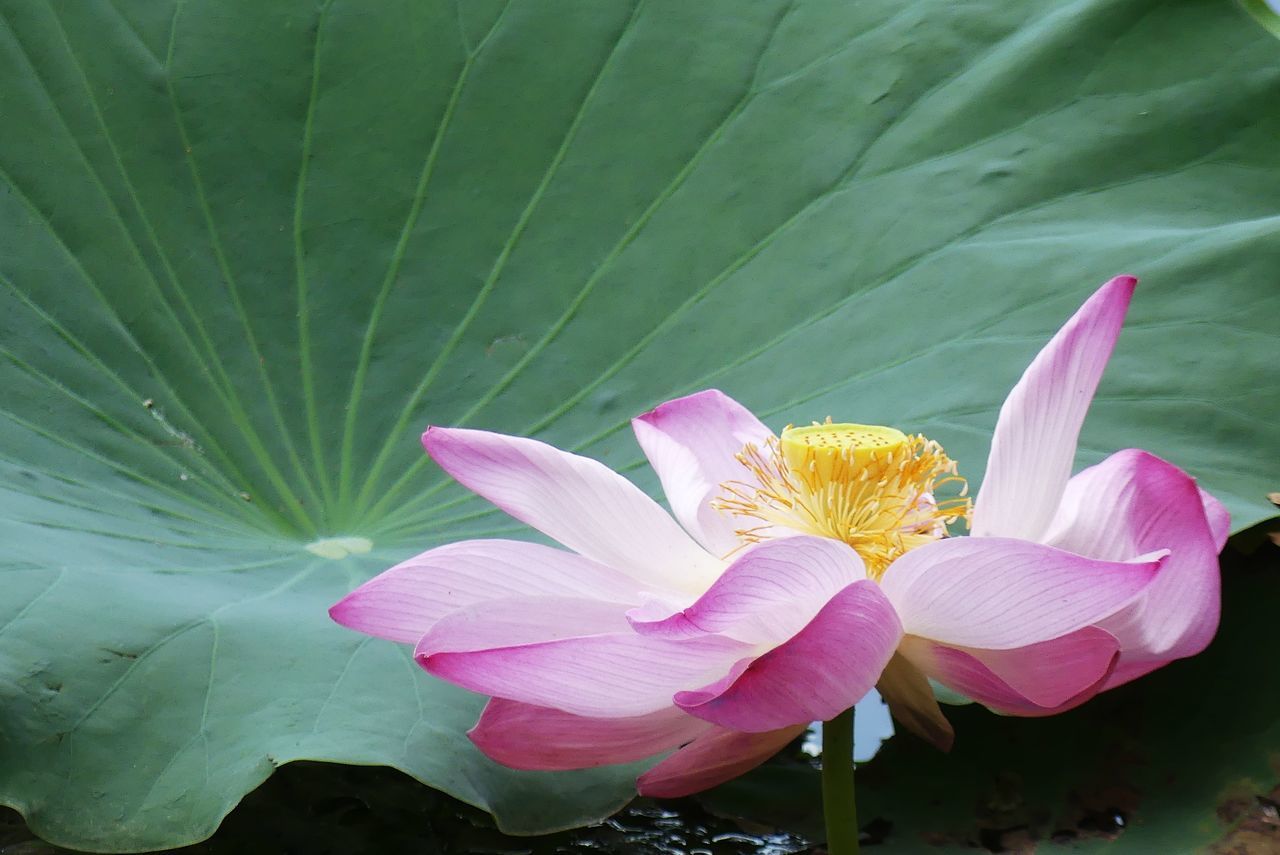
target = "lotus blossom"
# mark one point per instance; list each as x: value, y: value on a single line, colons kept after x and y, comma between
x: 805, y: 568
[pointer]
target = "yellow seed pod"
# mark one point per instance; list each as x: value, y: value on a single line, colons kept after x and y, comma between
x: 824, y: 451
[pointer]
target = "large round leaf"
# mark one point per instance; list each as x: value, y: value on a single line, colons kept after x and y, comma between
x: 248, y: 250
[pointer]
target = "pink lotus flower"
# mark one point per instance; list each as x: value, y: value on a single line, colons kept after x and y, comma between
x: 806, y: 568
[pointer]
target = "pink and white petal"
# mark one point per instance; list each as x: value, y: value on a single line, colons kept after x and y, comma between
x: 607, y: 676
x: 1134, y: 502
x: 912, y: 703
x: 523, y: 620
x: 523, y: 736
x: 578, y: 501
x: 402, y: 603
x: 998, y: 593
x: 963, y: 672
x: 713, y: 758
x: 1039, y: 424
x: 1046, y: 674
x: 767, y: 595
x: 692, y: 443
x: 820, y: 672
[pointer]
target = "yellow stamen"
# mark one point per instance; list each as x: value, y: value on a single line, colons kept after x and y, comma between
x: 870, y: 486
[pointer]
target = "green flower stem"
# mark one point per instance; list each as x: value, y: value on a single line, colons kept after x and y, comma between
x: 838, y: 803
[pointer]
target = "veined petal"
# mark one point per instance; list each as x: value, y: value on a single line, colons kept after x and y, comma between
x: 523, y: 736
x: 1043, y: 675
x: 912, y: 703
x: 823, y: 670
x: 576, y: 500
x: 614, y: 675
x: 1039, y: 425
x: 691, y: 443
x: 402, y: 603
x: 713, y: 758
x: 767, y: 595
x: 999, y: 593
x: 1134, y: 502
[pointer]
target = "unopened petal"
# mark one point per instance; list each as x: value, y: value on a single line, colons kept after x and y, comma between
x: 523, y: 736
x: 715, y: 757
x: 999, y: 593
x: 912, y: 703
x: 691, y: 443
x: 578, y: 501
x: 1039, y: 425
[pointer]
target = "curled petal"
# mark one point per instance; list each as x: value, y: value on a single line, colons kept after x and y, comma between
x: 613, y: 675
x: 823, y: 670
x: 576, y: 500
x: 997, y: 593
x: 1039, y: 425
x: 1039, y: 676
x: 402, y: 603
x: 1126, y: 505
x: 713, y: 758
x: 691, y: 443
x: 523, y: 736
x: 767, y: 595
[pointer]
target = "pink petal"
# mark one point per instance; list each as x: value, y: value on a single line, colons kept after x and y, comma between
x: 402, y: 603
x: 1219, y: 520
x: 609, y: 676
x: 527, y: 737
x: 1134, y: 502
x: 711, y: 759
x: 767, y: 595
x: 576, y: 500
x: 996, y: 592
x: 1043, y: 675
x: 1037, y: 680
x: 822, y: 671
x: 691, y: 443
x: 912, y: 703
x: 1035, y: 437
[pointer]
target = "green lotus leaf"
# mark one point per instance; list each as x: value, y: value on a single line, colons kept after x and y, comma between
x: 249, y: 250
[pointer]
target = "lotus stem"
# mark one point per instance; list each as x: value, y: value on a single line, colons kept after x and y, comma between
x: 838, y: 803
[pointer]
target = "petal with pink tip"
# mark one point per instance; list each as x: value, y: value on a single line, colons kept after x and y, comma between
x: 999, y: 593
x: 711, y: 759
x: 523, y: 736
x: 1035, y: 437
x: 1134, y: 502
x: 402, y: 603
x: 691, y: 443
x: 576, y: 500
x: 612, y: 675
x: 767, y: 595
x: 1044, y: 675
x: 819, y: 673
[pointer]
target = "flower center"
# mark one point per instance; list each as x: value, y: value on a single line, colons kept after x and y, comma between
x: 870, y: 486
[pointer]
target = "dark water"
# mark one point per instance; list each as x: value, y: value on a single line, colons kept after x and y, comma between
x: 319, y: 809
